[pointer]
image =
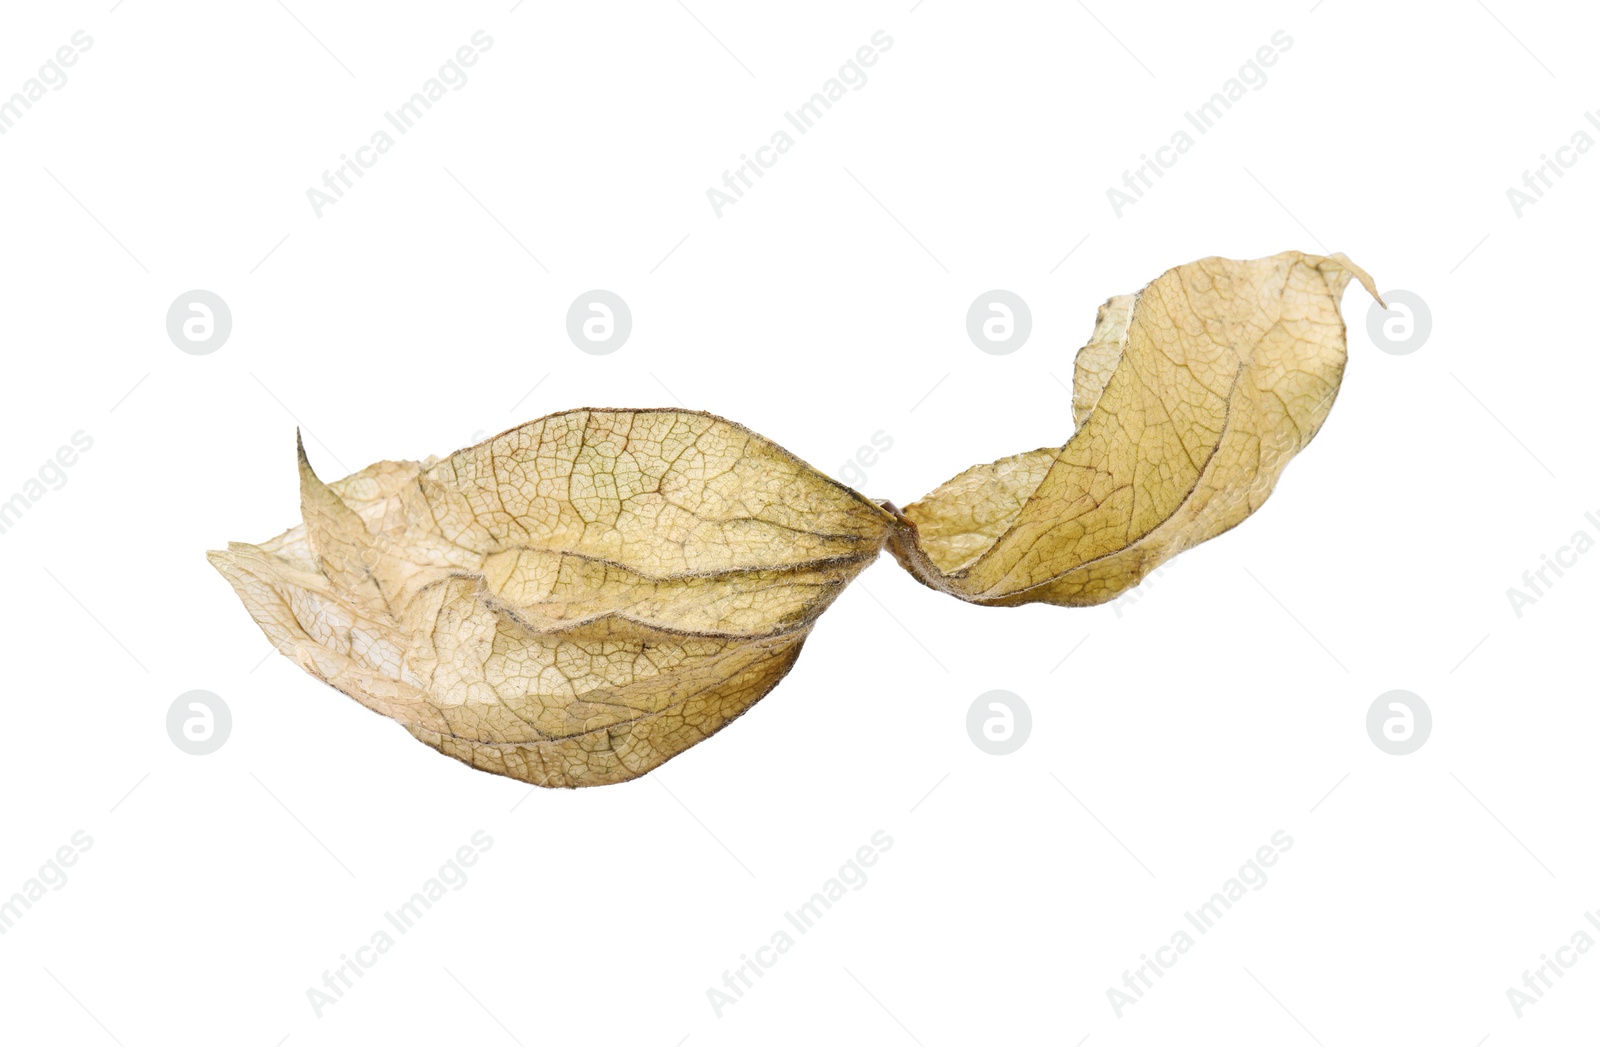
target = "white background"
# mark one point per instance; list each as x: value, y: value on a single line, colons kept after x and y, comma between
x: 413, y: 317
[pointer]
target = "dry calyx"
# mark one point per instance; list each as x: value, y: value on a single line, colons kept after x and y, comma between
x: 583, y: 597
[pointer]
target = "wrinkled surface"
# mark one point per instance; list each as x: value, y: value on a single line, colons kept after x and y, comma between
x: 571, y: 602
x: 1189, y: 400
x: 581, y: 598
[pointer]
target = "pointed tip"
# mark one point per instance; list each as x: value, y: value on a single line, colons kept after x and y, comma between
x: 308, y: 475
x: 1361, y: 275
x: 223, y: 563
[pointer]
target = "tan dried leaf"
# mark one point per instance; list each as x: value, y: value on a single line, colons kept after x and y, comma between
x: 1189, y: 400
x: 583, y: 597
x: 570, y: 603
